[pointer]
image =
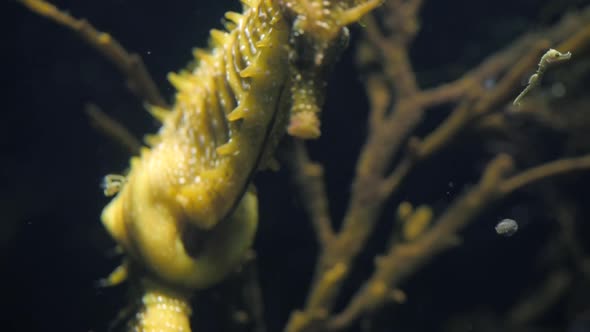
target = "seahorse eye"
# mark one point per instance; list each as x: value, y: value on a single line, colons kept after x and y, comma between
x: 333, y: 51
x: 308, y: 53
x: 302, y: 54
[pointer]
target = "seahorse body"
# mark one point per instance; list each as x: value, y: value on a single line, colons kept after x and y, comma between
x: 202, y: 159
x: 186, y: 215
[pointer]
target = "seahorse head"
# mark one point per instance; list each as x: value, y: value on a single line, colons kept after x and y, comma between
x: 318, y: 37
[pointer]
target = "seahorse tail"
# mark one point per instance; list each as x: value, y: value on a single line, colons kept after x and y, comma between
x: 162, y: 311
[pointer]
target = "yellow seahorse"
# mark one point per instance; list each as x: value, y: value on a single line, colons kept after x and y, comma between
x: 186, y: 212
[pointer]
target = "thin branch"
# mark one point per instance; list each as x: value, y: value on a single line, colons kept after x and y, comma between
x: 538, y: 303
x: 252, y: 293
x: 486, y: 102
x: 139, y: 80
x: 384, y: 140
x: 567, y: 33
x: 477, y: 101
x: 379, y: 98
x: 558, y: 167
x: 309, y: 178
x: 404, y: 259
x: 113, y: 129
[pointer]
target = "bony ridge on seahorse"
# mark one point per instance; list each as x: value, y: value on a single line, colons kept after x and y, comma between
x: 186, y: 212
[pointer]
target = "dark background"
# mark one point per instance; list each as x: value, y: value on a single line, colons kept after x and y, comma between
x: 54, y: 248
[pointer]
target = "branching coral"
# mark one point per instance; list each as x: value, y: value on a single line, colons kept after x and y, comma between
x: 389, y: 130
x: 392, y: 150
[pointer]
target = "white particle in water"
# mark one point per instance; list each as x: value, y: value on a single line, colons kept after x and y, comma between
x: 506, y: 227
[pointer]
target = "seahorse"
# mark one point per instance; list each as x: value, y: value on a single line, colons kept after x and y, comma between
x: 550, y: 57
x: 186, y: 212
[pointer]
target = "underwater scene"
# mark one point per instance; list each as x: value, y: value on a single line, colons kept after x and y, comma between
x: 296, y: 166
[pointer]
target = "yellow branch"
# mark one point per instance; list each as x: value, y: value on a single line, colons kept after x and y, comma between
x: 139, y: 80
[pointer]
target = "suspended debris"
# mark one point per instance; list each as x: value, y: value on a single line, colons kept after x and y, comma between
x: 506, y: 227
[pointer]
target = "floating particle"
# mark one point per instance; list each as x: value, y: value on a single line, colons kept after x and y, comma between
x: 112, y: 184
x: 558, y: 90
x: 489, y: 83
x: 506, y: 227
